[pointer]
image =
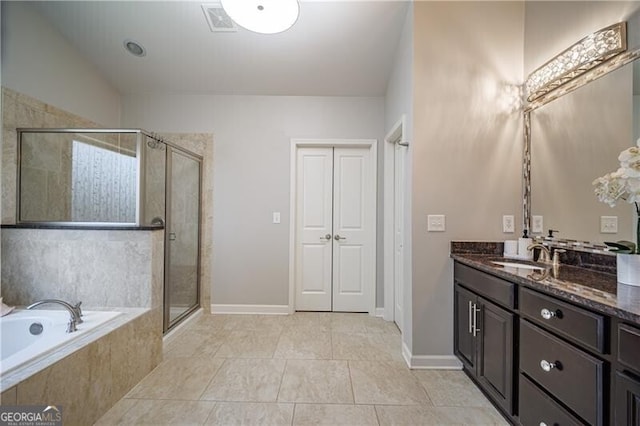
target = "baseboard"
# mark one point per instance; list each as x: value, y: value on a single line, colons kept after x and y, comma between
x: 379, y: 312
x: 250, y: 309
x: 430, y: 362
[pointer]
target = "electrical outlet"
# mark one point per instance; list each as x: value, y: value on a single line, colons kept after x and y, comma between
x: 608, y: 224
x: 436, y: 223
x: 508, y: 225
x: 537, y: 225
x: 276, y: 217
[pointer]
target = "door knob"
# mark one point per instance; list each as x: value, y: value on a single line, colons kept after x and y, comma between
x: 338, y: 238
x: 326, y: 237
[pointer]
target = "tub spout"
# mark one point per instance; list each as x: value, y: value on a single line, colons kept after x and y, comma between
x: 74, y: 311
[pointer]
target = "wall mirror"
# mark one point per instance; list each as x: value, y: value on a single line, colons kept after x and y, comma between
x: 574, y: 140
x: 574, y: 137
x: 79, y: 177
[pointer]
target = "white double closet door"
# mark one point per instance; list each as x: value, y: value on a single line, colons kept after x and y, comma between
x: 335, y: 229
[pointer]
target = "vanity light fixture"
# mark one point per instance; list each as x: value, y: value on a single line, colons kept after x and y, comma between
x: 263, y: 16
x: 583, y: 56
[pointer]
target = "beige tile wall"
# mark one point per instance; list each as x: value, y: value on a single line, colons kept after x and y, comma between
x: 202, y: 144
x: 19, y: 110
x: 99, y: 268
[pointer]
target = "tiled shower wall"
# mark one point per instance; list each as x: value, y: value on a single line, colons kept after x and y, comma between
x: 18, y: 111
x: 99, y: 268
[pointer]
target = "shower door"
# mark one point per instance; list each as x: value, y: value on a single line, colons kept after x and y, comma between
x: 182, y: 236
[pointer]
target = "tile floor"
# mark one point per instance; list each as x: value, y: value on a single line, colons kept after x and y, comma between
x: 303, y: 369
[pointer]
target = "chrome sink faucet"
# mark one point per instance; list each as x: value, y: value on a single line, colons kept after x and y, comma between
x: 74, y: 311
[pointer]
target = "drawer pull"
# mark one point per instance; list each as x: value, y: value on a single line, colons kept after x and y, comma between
x: 547, y: 366
x: 547, y: 314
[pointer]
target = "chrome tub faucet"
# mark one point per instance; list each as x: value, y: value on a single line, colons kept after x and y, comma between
x: 74, y: 310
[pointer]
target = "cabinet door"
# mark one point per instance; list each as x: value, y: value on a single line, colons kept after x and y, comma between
x: 464, y: 339
x: 627, y: 400
x: 495, y: 359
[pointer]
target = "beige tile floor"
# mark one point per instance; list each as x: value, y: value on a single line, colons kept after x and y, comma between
x: 303, y: 369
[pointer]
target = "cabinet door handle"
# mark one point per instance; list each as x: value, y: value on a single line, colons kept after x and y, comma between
x: 547, y: 314
x: 475, y: 319
x: 471, y: 326
x: 547, y: 366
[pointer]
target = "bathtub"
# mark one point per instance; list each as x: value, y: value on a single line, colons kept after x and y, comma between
x: 26, y: 336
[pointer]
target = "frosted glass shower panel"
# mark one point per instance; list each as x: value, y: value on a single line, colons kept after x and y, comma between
x: 78, y: 177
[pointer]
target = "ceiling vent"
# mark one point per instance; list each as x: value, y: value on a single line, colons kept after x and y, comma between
x: 217, y: 18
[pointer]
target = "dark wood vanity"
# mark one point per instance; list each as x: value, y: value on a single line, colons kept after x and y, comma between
x: 545, y: 348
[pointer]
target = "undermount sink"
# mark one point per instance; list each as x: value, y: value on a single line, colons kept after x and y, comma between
x: 519, y: 265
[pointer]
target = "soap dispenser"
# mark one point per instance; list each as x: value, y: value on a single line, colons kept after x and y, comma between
x: 523, y: 243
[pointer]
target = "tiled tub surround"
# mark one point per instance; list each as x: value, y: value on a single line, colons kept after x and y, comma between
x: 106, y: 270
x: 100, y: 268
x: 588, y: 287
x: 89, y: 375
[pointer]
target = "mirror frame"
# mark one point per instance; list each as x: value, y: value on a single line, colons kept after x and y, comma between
x: 70, y: 224
x: 572, y: 85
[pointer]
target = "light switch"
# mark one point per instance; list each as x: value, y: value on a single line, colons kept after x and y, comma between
x: 276, y: 217
x: 537, y: 225
x: 436, y: 223
x: 508, y: 225
x: 608, y: 224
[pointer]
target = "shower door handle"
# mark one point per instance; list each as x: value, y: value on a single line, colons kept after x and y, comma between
x: 172, y: 236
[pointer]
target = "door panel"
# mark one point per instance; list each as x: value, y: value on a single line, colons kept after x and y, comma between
x: 464, y: 340
x: 354, y: 200
x: 350, y: 281
x: 313, y: 224
x: 182, y: 228
x: 399, y: 185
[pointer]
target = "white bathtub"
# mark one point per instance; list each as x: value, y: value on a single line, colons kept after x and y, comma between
x: 18, y: 346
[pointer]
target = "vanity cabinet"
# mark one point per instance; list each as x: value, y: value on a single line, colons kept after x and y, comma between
x: 627, y: 378
x: 484, y: 333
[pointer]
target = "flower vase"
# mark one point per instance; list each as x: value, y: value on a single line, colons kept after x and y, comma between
x: 628, y: 267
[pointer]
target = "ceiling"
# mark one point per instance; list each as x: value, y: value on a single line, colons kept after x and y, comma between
x: 338, y: 48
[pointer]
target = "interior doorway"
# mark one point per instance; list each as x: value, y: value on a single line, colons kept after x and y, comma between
x: 395, y: 151
x: 333, y: 221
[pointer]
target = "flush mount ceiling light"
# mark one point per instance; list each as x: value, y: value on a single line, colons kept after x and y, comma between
x: 134, y: 48
x: 263, y: 16
x: 583, y: 56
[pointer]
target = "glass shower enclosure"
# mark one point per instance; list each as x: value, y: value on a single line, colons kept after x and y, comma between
x: 118, y: 178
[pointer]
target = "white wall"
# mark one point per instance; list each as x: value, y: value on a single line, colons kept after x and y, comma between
x: 251, y: 173
x: 39, y: 62
x: 467, y: 148
x: 398, y: 103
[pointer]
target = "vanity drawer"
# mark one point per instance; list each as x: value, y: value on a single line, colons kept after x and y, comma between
x: 629, y: 346
x: 493, y: 288
x: 579, y: 324
x: 568, y: 373
x: 537, y: 408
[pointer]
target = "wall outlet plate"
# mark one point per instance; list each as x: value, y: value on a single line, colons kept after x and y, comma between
x: 537, y: 224
x: 608, y: 224
x: 508, y: 224
x: 436, y: 223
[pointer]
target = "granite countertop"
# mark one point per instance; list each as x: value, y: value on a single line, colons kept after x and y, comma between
x: 593, y: 289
